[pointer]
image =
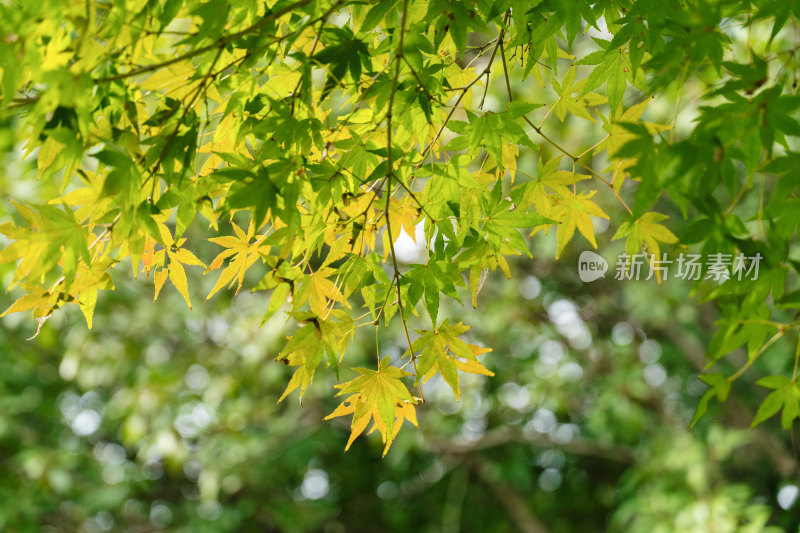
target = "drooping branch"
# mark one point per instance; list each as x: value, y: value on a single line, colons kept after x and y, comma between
x: 390, y: 177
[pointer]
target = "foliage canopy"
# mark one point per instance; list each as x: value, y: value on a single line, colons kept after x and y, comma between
x: 309, y: 136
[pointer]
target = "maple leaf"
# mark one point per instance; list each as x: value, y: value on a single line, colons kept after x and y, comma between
x: 621, y: 170
x: 614, y: 69
x: 618, y: 135
x: 53, y: 237
x: 785, y: 395
x: 338, y: 246
x: 576, y: 105
x: 149, y: 255
x: 245, y: 254
x: 646, y: 230
x: 83, y: 291
x: 401, y: 216
x: 440, y: 349
x: 576, y: 211
x: 404, y: 215
x: 510, y: 154
x: 318, y: 291
x: 175, y: 271
x: 36, y: 299
x: 432, y: 279
x: 537, y: 192
x: 304, y: 350
x: 503, y: 220
x: 720, y: 388
x: 90, y: 279
x: 379, y: 396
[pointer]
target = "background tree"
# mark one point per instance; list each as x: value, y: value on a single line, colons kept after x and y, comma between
x: 315, y: 138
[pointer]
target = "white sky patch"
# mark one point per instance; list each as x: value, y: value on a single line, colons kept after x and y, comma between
x: 409, y: 251
x: 603, y: 33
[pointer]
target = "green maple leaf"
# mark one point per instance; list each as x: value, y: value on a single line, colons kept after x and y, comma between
x: 645, y: 230
x: 720, y: 387
x: 785, y: 396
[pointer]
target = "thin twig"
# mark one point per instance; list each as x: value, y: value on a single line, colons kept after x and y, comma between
x: 419, y: 80
x: 576, y: 159
x: 201, y: 89
x: 222, y: 42
x: 464, y: 90
x: 781, y: 332
x: 310, y: 53
x: 505, y: 70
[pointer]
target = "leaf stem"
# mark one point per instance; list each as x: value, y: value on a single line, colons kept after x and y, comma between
x: 781, y: 332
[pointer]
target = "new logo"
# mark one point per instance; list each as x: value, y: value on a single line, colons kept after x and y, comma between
x: 591, y: 267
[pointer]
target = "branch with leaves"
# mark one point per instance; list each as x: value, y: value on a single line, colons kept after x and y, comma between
x: 330, y: 129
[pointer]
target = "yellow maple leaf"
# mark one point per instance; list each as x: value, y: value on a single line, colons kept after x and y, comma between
x: 158, y: 281
x: 149, y: 254
x: 403, y: 215
x: 246, y: 253
x: 378, y: 396
x: 28, y: 301
x: 175, y: 271
x: 576, y: 211
x: 618, y: 135
x: 338, y: 246
x: 318, y: 291
x: 304, y: 350
x: 439, y: 351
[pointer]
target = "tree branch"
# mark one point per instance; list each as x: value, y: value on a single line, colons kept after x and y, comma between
x: 509, y: 435
x: 390, y: 176
x: 512, y: 502
x: 222, y: 42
